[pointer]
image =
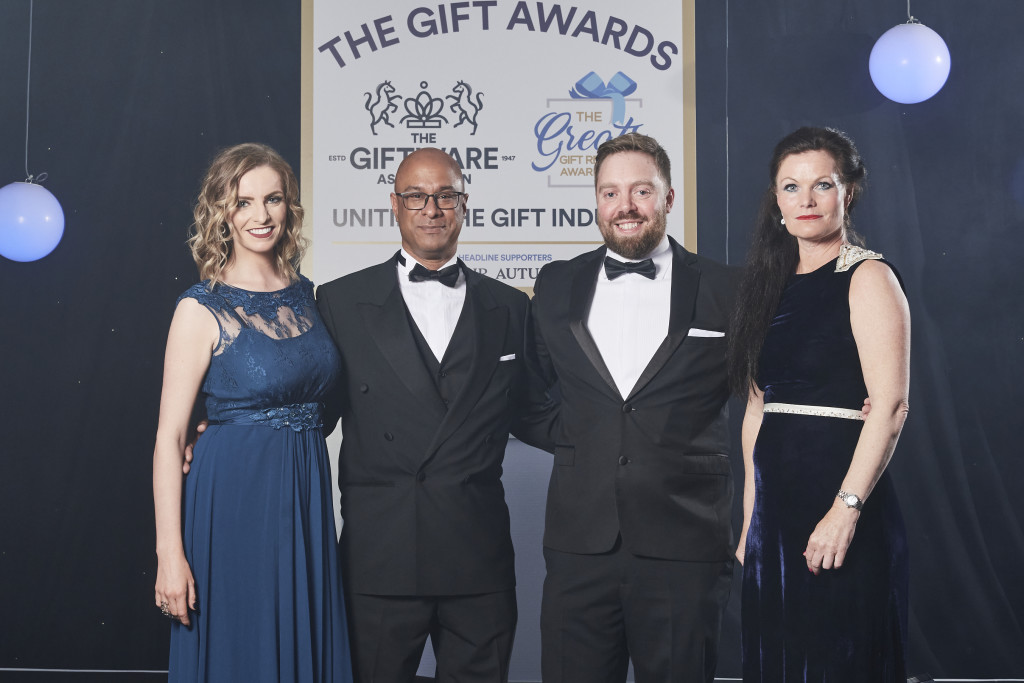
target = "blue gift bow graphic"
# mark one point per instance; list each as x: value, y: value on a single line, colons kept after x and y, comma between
x: 619, y: 86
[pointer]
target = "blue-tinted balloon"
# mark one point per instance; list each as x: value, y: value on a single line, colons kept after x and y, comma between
x: 909, y: 63
x: 31, y: 221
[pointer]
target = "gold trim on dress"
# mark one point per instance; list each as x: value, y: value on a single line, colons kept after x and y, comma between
x: 850, y: 255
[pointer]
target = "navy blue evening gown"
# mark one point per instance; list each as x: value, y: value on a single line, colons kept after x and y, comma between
x: 258, y: 521
x: 847, y: 624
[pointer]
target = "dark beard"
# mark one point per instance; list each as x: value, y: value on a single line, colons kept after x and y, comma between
x: 637, y: 246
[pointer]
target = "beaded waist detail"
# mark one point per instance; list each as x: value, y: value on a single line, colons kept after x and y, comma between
x: 296, y: 416
x: 817, y: 411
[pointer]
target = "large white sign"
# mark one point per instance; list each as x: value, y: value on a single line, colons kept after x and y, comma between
x: 520, y: 93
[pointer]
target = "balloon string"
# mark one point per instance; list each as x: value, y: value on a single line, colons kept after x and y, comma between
x: 910, y: 17
x: 28, y: 91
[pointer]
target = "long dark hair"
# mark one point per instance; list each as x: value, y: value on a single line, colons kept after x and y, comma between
x: 774, y: 253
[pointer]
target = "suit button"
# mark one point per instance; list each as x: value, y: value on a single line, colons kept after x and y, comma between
x: 623, y: 460
x: 443, y: 373
x: 389, y: 436
x: 420, y: 476
x: 626, y: 408
x: 363, y: 388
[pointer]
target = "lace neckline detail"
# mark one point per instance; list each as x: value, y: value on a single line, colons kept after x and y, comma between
x: 264, y: 304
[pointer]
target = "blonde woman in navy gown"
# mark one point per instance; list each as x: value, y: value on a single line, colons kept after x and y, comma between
x: 821, y: 325
x: 247, y: 554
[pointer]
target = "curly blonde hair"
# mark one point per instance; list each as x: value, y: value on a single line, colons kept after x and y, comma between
x: 210, y: 238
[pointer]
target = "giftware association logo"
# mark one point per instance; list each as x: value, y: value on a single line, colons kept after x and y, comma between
x: 423, y: 111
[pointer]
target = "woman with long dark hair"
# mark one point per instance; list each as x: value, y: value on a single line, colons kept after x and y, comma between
x: 821, y: 324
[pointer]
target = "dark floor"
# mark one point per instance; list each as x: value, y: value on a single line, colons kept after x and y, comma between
x: 98, y: 677
x: 161, y: 677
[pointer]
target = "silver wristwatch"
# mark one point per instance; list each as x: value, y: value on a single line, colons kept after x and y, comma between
x: 852, y: 500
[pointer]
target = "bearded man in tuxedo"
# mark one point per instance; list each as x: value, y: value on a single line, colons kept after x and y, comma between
x: 637, y: 539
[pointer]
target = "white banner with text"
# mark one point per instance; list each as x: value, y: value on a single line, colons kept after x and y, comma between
x: 519, y: 93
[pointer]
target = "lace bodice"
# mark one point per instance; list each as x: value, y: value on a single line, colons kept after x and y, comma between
x: 273, y: 358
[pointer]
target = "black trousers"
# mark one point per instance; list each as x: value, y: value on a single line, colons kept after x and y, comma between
x: 600, y: 611
x: 471, y: 634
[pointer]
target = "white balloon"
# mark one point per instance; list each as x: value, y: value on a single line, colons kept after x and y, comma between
x: 909, y: 63
x: 31, y: 221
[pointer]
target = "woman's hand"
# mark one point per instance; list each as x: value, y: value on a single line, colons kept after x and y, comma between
x: 175, y: 588
x: 827, y: 546
x: 741, y: 547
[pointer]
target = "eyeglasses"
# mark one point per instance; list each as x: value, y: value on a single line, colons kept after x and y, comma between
x: 415, y: 201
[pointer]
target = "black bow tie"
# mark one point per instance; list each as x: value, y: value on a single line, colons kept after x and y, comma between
x: 613, y: 268
x: 447, y: 276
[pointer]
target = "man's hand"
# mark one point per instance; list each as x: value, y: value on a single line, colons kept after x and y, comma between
x: 200, y: 428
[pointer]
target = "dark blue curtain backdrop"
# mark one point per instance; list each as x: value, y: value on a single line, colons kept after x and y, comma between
x: 131, y: 98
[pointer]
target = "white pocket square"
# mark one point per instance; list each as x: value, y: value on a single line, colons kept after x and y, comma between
x: 510, y: 356
x: 697, y: 332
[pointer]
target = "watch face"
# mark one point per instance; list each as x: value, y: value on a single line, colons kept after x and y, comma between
x: 851, y: 499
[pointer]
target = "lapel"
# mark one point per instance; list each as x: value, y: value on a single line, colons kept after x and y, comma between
x: 581, y: 294
x: 685, y: 281
x: 490, y: 322
x: 387, y: 322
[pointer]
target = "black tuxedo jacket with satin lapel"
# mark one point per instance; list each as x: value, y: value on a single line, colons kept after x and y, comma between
x: 653, y: 465
x: 421, y: 495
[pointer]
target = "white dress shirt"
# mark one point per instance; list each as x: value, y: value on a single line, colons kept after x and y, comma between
x: 435, y: 307
x: 629, y: 317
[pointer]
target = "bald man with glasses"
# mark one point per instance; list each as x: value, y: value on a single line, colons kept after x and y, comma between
x: 434, y: 381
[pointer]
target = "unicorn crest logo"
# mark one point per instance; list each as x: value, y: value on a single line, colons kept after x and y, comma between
x: 423, y: 111
x: 383, y: 106
x: 465, y: 104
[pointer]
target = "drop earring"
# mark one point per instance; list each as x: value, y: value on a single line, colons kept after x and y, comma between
x: 783, y: 221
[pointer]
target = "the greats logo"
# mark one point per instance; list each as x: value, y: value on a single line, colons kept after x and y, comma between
x: 570, y: 131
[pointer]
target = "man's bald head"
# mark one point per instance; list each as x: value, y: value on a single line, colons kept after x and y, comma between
x: 430, y: 156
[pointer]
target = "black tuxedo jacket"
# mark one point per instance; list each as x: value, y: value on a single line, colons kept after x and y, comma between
x: 421, y: 494
x: 652, y: 466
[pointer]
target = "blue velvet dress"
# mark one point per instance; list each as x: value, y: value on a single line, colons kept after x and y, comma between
x: 847, y: 624
x: 258, y: 522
